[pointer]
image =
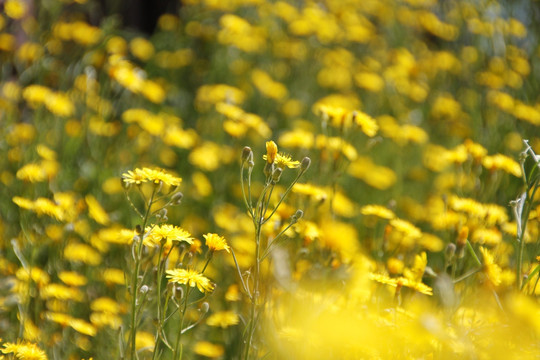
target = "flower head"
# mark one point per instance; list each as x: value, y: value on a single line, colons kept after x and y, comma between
x: 223, y: 319
x: 24, y: 351
x: 139, y: 176
x: 216, y: 242
x: 168, y: 233
x: 190, y: 277
x: 284, y: 160
x: 271, y: 152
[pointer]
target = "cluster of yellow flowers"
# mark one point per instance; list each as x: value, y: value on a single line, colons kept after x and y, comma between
x: 417, y: 224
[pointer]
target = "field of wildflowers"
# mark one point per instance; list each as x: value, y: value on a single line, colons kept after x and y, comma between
x: 333, y: 179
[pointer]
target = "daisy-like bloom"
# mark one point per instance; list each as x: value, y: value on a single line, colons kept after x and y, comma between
x: 271, y: 152
x: 367, y: 123
x: 223, y: 319
x: 24, y: 351
x: 168, y: 232
x: 216, y: 242
x: 378, y: 210
x: 401, y: 281
x: 491, y: 269
x: 207, y: 349
x: 32, y: 173
x: 139, y: 176
x: 284, y: 160
x: 190, y: 277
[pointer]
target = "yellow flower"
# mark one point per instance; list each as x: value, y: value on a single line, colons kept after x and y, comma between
x: 166, y: 232
x: 284, y: 160
x: 32, y: 173
x: 72, y: 278
x: 95, y: 210
x: 139, y: 176
x: 113, y: 276
x: 271, y: 152
x: 399, y: 282
x: 207, y: 349
x: 366, y: 123
x: 492, y: 270
x: 82, y: 327
x: 190, y: 277
x: 79, y: 252
x: 24, y: 351
x: 105, y: 305
x: 141, y: 48
x: 223, y: 319
x: 15, y: 9
x: 216, y: 242
x: 377, y: 210
x: 502, y: 162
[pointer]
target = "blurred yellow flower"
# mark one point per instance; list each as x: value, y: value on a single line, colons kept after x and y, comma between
x: 15, y: 9
x: 207, y: 349
x: 223, y: 319
x: 24, y: 351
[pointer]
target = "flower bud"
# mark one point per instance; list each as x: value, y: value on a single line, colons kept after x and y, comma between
x: 205, y: 306
x: 271, y: 152
x: 177, y: 198
x: 268, y: 169
x: 144, y: 289
x: 304, y: 165
x: 247, y: 154
x: 276, y: 175
x: 450, y: 252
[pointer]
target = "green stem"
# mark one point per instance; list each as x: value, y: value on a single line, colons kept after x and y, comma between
x: 160, y: 324
x: 283, y: 197
x: 135, y: 280
x: 176, y: 355
x: 210, y: 255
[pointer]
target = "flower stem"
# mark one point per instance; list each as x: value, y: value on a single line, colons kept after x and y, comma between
x: 135, y: 281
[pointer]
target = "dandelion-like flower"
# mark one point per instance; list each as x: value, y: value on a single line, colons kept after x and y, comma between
x: 216, y: 242
x: 139, y: 176
x: 223, y: 319
x: 402, y: 281
x: 24, y: 351
x: 284, y: 160
x: 190, y: 277
x: 167, y: 232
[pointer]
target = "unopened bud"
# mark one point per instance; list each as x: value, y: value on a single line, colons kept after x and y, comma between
x: 144, y: 289
x: 297, y: 216
x: 177, y: 198
x: 205, y: 306
x: 162, y: 215
x: 304, y: 165
x: 450, y: 252
x: 247, y: 154
x: 138, y: 229
x: 268, y: 169
x: 178, y: 292
x: 276, y: 175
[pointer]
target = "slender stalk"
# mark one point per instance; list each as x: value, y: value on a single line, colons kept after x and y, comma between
x: 178, y: 355
x: 159, y: 325
x: 283, y: 197
x: 135, y: 280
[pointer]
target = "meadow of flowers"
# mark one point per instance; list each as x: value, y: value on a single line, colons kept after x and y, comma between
x: 333, y: 179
